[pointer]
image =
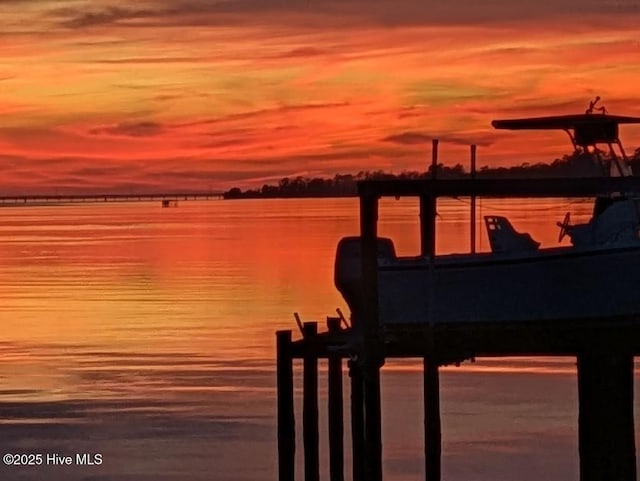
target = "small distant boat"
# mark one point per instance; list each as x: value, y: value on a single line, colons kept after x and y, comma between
x: 169, y: 203
x: 595, y: 278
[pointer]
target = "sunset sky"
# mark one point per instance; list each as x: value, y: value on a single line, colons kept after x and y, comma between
x: 156, y: 95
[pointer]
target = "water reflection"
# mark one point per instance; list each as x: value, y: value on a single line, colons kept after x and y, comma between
x: 146, y: 334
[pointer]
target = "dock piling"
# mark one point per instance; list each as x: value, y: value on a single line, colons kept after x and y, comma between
x: 357, y: 420
x: 432, y: 426
x: 434, y: 158
x: 372, y: 422
x: 286, y: 418
x: 336, y: 421
x: 372, y: 355
x: 472, y: 214
x: 310, y: 405
x: 606, y: 424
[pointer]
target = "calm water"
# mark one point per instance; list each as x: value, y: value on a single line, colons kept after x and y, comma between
x: 147, y: 335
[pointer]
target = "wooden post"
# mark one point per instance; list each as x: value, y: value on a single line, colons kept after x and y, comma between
x: 432, y: 427
x: 336, y: 422
x: 310, y: 404
x: 427, y: 225
x: 434, y: 158
x: 606, y: 425
x: 373, y: 422
x: 428, y: 212
x: 357, y: 421
x: 372, y: 356
x: 286, y: 419
x: 368, y: 325
x: 431, y: 378
x: 473, y: 202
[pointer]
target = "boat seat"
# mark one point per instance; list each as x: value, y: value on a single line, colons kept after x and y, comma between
x: 504, y: 238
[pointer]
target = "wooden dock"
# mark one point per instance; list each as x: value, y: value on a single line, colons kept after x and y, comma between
x: 604, y: 349
x: 25, y: 200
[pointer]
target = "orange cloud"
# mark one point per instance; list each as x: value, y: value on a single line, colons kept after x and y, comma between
x: 240, y: 92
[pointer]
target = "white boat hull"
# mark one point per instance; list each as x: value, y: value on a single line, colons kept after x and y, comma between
x: 550, y: 284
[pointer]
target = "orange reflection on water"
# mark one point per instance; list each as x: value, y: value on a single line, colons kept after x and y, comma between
x: 209, y: 281
x: 156, y: 326
x: 109, y: 273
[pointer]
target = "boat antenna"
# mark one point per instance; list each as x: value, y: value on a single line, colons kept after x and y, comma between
x: 592, y: 107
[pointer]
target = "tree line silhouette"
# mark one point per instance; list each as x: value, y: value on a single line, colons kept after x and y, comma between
x: 577, y: 164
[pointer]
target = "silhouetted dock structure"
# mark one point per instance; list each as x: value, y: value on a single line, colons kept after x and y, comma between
x: 12, y: 200
x: 604, y: 349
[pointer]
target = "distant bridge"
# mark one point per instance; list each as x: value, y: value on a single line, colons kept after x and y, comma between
x: 10, y: 200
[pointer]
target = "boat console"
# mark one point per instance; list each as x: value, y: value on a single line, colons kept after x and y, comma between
x: 504, y: 238
x: 596, y: 135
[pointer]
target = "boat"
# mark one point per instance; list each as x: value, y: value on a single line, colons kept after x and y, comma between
x: 594, y: 278
x: 169, y: 202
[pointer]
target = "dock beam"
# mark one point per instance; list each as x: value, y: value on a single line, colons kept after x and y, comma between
x: 606, y: 425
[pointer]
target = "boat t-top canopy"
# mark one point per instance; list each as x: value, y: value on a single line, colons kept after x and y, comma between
x: 588, y: 129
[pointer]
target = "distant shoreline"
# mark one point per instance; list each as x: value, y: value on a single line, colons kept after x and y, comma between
x: 577, y: 164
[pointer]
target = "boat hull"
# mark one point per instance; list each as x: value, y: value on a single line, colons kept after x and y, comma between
x: 562, y: 284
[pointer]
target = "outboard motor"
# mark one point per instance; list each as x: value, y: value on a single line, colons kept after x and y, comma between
x: 348, y: 268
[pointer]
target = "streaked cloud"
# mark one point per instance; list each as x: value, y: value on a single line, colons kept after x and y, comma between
x: 275, y: 89
x: 409, y: 138
x: 91, y: 16
x: 388, y: 13
x: 138, y: 129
